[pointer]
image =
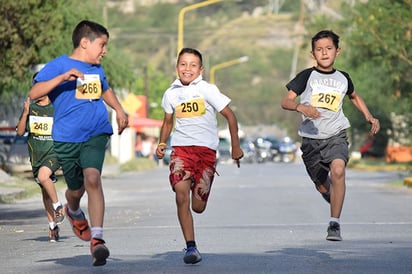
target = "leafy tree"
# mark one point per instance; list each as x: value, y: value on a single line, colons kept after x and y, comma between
x: 35, y: 31
x: 375, y: 40
x: 26, y: 27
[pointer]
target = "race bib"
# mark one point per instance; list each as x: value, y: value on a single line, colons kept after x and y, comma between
x: 41, y: 125
x: 192, y: 108
x: 89, y: 88
x: 328, y: 100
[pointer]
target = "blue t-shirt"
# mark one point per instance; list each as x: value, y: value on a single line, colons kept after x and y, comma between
x: 79, y: 110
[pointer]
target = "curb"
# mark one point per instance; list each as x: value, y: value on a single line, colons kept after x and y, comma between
x: 8, y: 194
x: 408, y: 181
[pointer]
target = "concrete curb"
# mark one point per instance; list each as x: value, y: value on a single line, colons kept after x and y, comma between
x: 408, y: 181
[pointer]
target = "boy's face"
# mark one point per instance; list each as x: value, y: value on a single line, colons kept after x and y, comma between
x: 96, y: 50
x: 325, y: 53
x: 188, y: 68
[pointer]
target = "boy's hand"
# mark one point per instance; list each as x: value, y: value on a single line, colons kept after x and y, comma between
x: 237, y: 154
x: 72, y: 75
x: 308, y: 111
x: 160, y: 150
x: 26, y: 106
x: 122, y: 121
x: 375, y: 126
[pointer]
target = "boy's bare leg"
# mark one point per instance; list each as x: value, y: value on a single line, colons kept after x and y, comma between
x: 184, y: 214
x: 96, y: 203
x: 47, y: 183
x: 47, y: 205
x: 73, y: 198
x: 338, y: 187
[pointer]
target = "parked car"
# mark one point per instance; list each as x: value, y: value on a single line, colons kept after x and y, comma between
x: 287, y: 150
x: 264, y: 149
x: 18, y: 159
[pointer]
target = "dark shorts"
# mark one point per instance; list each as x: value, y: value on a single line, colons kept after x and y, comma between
x: 194, y: 163
x: 52, y: 163
x: 74, y: 157
x: 318, y: 154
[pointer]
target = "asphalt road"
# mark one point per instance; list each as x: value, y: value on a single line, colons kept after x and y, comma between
x: 261, y: 218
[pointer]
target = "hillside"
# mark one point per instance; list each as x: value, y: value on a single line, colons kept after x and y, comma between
x: 255, y: 87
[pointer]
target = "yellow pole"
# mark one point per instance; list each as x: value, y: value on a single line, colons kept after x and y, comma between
x: 224, y: 65
x: 181, y: 20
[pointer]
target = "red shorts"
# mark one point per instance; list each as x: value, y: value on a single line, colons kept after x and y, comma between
x: 195, y: 163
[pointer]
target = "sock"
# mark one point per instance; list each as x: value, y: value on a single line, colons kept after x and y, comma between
x: 97, y: 232
x: 190, y: 244
x: 76, y: 215
x: 56, y: 205
x: 52, y: 225
x: 332, y: 219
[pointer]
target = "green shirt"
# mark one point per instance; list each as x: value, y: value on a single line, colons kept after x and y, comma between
x: 39, y: 126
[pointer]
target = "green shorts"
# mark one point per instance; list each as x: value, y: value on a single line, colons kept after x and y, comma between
x: 51, y: 162
x: 74, y: 157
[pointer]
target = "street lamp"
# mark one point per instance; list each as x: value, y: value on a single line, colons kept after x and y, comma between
x: 229, y: 63
x: 181, y: 20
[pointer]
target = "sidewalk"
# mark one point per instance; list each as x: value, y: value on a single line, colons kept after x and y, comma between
x: 10, y: 189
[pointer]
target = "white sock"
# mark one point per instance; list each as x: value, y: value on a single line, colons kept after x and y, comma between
x: 332, y: 219
x: 77, y: 215
x: 52, y: 225
x: 97, y: 232
x: 56, y: 205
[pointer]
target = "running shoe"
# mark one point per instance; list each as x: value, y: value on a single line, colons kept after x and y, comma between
x: 334, y: 232
x: 54, y: 234
x: 192, y: 256
x: 59, y: 215
x: 326, y: 196
x: 99, y: 252
x: 80, y: 227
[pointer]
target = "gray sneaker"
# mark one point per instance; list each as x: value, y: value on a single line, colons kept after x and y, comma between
x: 334, y: 232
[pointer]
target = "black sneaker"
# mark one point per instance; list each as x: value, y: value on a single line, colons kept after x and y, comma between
x: 334, y: 232
x: 326, y: 196
x: 54, y: 234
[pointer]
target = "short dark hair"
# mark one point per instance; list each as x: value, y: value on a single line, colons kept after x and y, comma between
x: 192, y: 51
x: 325, y: 34
x: 88, y: 29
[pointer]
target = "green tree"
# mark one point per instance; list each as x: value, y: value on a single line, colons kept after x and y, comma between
x: 35, y: 31
x: 375, y: 40
x: 26, y: 27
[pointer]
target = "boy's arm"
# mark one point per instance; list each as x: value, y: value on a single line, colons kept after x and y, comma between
x: 288, y: 103
x: 237, y: 152
x: 21, y: 125
x: 165, y: 131
x: 40, y: 89
x: 121, y: 118
x: 361, y: 106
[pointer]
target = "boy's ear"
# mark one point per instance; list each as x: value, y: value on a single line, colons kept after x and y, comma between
x: 338, y: 51
x: 83, y: 42
x: 311, y: 54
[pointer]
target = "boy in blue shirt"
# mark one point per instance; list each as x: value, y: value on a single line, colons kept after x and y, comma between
x: 78, y: 88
